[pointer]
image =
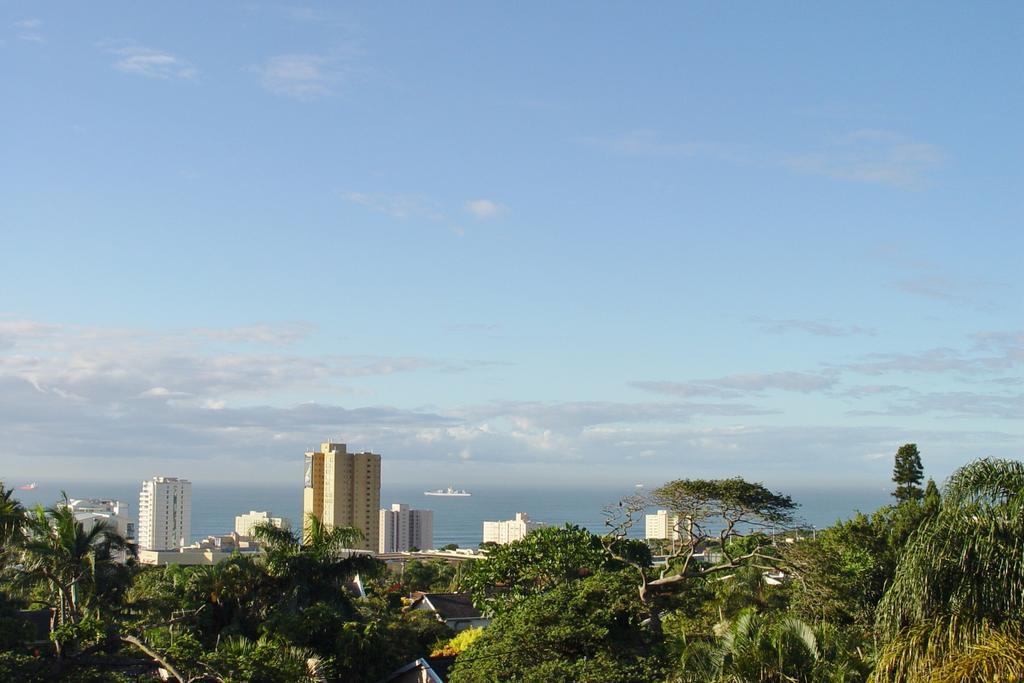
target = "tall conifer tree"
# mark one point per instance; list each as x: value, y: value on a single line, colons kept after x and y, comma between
x: 908, y: 474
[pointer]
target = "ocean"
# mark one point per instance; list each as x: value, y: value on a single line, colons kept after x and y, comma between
x: 456, y: 520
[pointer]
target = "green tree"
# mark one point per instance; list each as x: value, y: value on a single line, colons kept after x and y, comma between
x: 932, y: 499
x: 961, y: 577
x: 543, y: 559
x: 581, y: 631
x: 381, y: 639
x: 708, y: 512
x: 908, y: 473
x: 73, y: 567
x: 314, y: 570
x: 755, y: 647
x: 429, y: 575
x: 231, y: 597
x: 843, y: 573
x: 462, y: 640
x: 13, y: 519
x: 266, y: 660
x: 996, y: 656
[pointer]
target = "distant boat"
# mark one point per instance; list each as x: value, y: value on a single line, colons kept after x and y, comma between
x: 447, y: 492
x: 639, y: 486
x: 28, y: 487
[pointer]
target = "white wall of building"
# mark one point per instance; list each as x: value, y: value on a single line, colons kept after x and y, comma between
x: 89, y: 511
x: 509, y: 530
x: 245, y: 523
x: 402, y: 529
x: 165, y: 513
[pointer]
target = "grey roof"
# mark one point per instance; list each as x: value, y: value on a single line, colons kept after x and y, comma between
x: 452, y: 605
x: 419, y: 664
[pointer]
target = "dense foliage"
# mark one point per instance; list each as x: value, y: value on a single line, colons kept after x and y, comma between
x: 286, y: 615
x: 546, y: 558
x: 930, y: 588
x: 585, y: 631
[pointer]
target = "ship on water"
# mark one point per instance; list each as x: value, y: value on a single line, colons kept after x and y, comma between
x: 447, y: 492
x: 28, y: 487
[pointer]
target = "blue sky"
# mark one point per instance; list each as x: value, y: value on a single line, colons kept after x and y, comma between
x: 571, y: 244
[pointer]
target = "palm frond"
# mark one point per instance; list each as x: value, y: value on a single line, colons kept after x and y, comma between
x: 969, y: 559
x: 998, y: 656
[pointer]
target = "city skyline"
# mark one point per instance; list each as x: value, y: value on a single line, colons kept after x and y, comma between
x: 776, y: 242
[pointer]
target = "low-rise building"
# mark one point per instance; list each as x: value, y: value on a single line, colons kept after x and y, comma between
x: 245, y: 523
x: 209, y: 550
x: 510, y: 530
x: 185, y: 556
x: 89, y: 511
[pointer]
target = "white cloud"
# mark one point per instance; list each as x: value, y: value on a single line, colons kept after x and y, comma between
x: 140, y: 396
x: 1008, y: 406
x: 733, y: 386
x: 872, y: 156
x: 932, y: 284
x: 877, y: 456
x: 14, y: 331
x: 276, y: 335
x: 302, y: 76
x: 402, y: 206
x: 871, y: 390
x: 932, y: 361
x: 649, y: 143
x: 484, y: 208
x: 414, y: 206
x: 151, y: 63
x: 817, y: 328
x: 112, y: 366
x: 28, y: 30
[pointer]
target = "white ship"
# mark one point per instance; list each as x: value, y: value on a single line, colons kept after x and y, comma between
x: 447, y: 492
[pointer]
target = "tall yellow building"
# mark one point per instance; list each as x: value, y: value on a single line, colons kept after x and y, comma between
x: 343, y: 489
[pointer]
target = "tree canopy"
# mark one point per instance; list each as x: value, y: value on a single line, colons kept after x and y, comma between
x: 543, y: 559
x: 585, y: 631
x: 706, y: 512
x: 908, y: 473
x: 960, y: 580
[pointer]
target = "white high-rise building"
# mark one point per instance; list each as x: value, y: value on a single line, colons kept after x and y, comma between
x: 402, y: 529
x: 165, y: 513
x: 245, y: 523
x: 509, y: 530
x: 662, y: 525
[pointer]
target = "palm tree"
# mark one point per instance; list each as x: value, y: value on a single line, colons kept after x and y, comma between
x: 12, y: 522
x: 754, y: 648
x: 271, y: 660
x: 231, y: 592
x: 961, y: 579
x: 749, y: 648
x: 314, y: 570
x: 67, y: 561
x: 996, y: 657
